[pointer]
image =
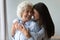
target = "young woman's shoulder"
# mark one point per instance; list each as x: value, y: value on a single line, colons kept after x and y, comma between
x: 33, y: 22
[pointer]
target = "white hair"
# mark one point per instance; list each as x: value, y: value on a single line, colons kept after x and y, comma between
x: 22, y: 6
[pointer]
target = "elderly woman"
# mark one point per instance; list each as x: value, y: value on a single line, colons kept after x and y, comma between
x: 23, y: 27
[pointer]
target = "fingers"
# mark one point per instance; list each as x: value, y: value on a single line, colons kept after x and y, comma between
x: 16, y: 24
x: 23, y: 26
x: 20, y: 27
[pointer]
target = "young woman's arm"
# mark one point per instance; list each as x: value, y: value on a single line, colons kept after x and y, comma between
x: 36, y: 35
x: 39, y: 34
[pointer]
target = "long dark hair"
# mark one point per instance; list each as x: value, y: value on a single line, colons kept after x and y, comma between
x: 46, y: 18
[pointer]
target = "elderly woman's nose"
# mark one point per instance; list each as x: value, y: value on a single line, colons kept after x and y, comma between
x: 29, y: 13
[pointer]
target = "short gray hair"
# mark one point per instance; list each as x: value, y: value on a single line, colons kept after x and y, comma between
x: 22, y: 6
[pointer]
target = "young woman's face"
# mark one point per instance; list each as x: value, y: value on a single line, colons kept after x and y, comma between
x: 36, y: 15
x: 26, y: 14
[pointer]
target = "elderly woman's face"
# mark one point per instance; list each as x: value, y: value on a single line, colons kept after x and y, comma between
x: 27, y: 13
x: 36, y: 15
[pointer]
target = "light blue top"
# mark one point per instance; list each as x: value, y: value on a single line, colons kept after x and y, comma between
x: 36, y: 32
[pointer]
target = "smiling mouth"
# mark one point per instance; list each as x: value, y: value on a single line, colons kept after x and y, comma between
x: 28, y: 17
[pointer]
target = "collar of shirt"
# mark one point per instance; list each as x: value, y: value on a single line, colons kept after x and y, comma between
x: 26, y: 23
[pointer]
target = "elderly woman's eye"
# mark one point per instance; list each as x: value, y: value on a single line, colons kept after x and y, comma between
x: 27, y: 11
x: 31, y: 12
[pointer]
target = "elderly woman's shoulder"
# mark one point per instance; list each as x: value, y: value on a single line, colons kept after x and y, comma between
x: 15, y: 20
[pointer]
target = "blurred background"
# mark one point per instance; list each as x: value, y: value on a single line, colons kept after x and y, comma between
x: 8, y: 14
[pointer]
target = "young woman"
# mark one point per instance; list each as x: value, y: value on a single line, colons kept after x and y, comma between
x: 42, y: 16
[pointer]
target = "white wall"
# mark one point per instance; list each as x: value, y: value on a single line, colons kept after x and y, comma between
x: 53, y: 6
x: 0, y: 26
x: 2, y: 21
